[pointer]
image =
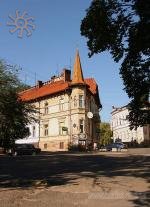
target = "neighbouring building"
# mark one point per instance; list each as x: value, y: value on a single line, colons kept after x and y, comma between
x: 121, y: 130
x: 62, y: 104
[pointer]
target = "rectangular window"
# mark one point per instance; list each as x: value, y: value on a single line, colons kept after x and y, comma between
x: 46, y: 108
x: 45, y: 146
x: 33, y: 131
x: 81, y: 125
x: 61, y: 126
x: 61, y: 145
x: 120, y: 121
x: 61, y: 104
x: 81, y: 101
x: 46, y: 130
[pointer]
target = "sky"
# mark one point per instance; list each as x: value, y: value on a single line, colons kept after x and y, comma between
x: 52, y: 46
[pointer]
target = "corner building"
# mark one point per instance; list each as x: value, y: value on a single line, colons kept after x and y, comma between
x: 62, y: 104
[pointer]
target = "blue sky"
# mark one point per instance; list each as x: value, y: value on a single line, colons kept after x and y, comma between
x: 53, y: 44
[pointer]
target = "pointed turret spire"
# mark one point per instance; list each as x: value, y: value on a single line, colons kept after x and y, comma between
x: 77, y: 70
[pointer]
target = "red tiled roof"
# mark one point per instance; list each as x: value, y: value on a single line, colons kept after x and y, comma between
x: 92, y: 85
x: 53, y: 88
x: 45, y: 90
x: 94, y: 89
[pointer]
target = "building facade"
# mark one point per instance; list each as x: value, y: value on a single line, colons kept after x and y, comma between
x: 62, y: 105
x: 121, y: 130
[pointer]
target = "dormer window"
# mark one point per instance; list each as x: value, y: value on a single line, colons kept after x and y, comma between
x: 46, y: 108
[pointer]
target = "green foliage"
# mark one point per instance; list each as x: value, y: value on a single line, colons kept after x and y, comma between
x: 122, y: 27
x: 14, y: 114
x: 105, y: 133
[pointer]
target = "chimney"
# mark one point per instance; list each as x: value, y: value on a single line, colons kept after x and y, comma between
x: 66, y: 74
x: 39, y: 83
x: 53, y: 78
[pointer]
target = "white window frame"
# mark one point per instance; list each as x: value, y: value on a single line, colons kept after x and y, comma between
x: 81, y: 101
x: 62, y: 132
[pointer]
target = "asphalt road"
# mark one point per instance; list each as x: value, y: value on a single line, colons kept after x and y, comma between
x: 85, y: 179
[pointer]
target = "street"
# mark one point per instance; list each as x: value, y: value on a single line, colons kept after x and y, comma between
x: 72, y: 179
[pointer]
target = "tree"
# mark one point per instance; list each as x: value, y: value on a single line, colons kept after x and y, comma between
x: 122, y: 27
x: 14, y: 114
x: 105, y: 133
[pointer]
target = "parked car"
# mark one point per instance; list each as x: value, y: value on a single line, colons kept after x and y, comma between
x: 102, y: 148
x: 106, y: 148
x: 25, y: 149
x: 109, y: 147
x: 117, y: 145
x: 120, y: 145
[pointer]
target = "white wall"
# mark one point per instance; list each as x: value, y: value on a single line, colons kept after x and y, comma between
x: 120, y: 127
x: 31, y: 138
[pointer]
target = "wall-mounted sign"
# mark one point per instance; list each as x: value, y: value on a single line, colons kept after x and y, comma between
x: 82, y: 136
x: 90, y: 115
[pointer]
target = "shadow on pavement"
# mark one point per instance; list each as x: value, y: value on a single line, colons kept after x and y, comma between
x: 56, y: 169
